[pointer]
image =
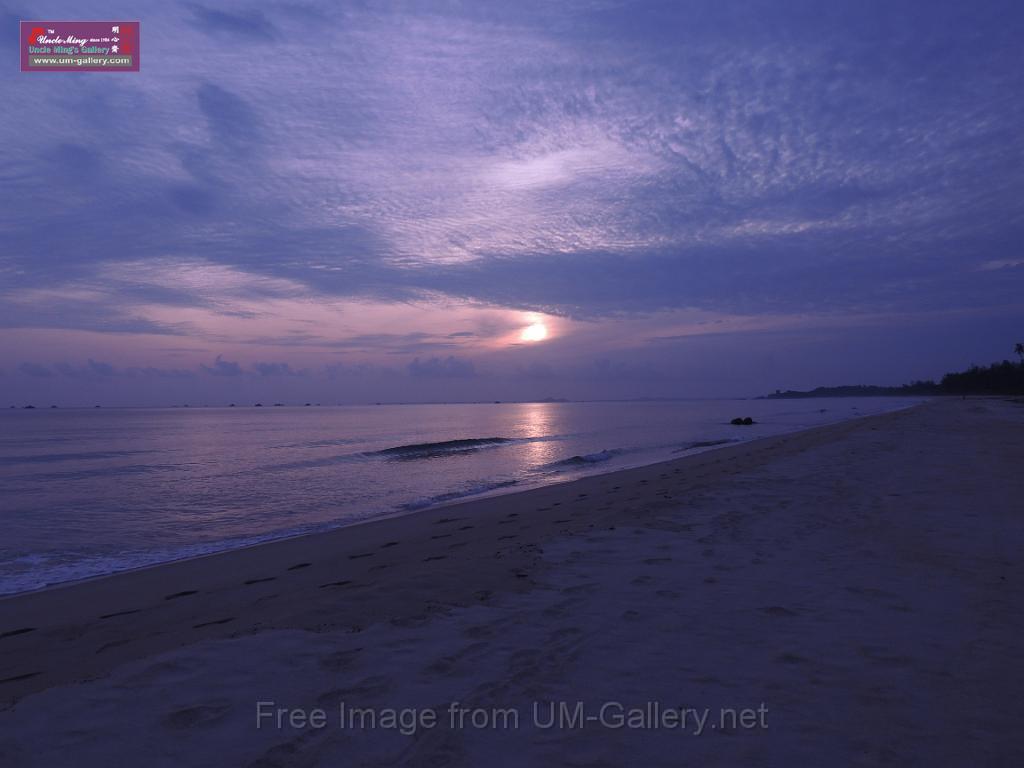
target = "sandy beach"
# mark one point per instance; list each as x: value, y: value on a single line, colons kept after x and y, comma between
x: 848, y: 595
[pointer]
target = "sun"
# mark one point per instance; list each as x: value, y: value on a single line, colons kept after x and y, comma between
x: 534, y: 332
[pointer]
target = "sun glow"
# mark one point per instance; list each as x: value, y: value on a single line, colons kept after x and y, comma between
x: 534, y: 332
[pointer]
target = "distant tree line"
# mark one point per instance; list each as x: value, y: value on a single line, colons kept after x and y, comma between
x: 1005, y: 378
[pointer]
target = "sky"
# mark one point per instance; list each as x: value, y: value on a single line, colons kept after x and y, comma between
x: 420, y: 201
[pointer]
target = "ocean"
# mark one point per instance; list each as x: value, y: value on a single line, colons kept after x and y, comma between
x: 87, y: 492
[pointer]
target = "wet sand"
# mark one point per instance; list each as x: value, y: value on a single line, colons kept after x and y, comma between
x: 856, y: 587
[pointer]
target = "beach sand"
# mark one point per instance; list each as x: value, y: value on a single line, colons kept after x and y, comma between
x: 852, y: 594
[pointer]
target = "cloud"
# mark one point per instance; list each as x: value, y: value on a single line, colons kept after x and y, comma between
x: 101, y: 368
x: 222, y: 368
x: 275, y: 369
x: 459, y: 140
x: 589, y: 160
x: 442, y: 368
x: 245, y: 24
x: 35, y: 370
x: 392, y: 343
x: 232, y: 121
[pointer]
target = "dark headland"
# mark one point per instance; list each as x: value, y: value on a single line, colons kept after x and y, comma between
x: 1003, y: 378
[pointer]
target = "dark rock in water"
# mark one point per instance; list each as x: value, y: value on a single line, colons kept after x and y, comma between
x: 29, y: 408
x: 744, y: 421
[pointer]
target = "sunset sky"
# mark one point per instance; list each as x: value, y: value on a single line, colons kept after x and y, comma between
x: 443, y: 200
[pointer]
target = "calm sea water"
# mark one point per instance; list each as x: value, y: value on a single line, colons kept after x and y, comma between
x: 90, y: 492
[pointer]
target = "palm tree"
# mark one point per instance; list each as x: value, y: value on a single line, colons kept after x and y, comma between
x: 1019, y: 349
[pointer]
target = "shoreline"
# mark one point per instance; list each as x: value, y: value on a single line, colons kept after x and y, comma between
x: 858, y: 579
x: 274, y: 538
x: 233, y: 580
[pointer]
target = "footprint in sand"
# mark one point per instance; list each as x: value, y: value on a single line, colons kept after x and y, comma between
x: 371, y: 687
x: 19, y: 678
x: 108, y: 646
x: 213, y: 623
x: 790, y: 658
x: 299, y: 566
x: 389, y: 544
x: 443, y: 536
x: 362, y: 554
x: 249, y: 582
x: 15, y: 632
x: 341, y: 583
x: 202, y: 714
x: 340, y: 661
x: 434, y: 557
x: 185, y: 593
x: 119, y: 613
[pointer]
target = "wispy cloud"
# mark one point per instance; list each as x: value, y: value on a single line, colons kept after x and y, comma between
x: 442, y: 368
x: 249, y: 23
x: 592, y: 160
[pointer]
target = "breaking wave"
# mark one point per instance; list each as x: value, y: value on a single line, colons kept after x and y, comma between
x: 443, y: 448
x: 472, y: 490
x: 587, y: 458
